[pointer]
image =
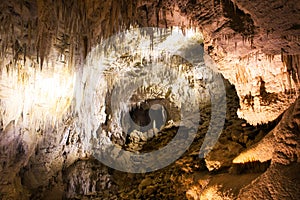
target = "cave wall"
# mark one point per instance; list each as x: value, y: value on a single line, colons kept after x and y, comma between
x: 252, y: 43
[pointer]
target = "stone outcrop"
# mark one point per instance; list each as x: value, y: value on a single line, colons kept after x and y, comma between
x: 281, y: 180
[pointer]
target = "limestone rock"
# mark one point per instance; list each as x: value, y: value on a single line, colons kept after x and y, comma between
x: 222, y: 155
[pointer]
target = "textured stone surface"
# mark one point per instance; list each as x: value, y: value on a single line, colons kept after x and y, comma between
x: 281, y: 180
x: 247, y: 43
x: 43, y: 46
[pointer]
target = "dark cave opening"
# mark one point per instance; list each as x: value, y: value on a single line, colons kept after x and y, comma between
x: 147, y: 121
x: 147, y: 116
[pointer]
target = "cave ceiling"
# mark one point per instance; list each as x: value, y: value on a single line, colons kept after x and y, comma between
x: 238, y: 27
x: 250, y: 41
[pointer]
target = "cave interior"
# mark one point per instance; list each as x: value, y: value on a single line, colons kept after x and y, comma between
x: 139, y: 99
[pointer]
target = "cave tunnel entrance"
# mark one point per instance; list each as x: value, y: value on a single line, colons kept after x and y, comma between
x: 148, y: 115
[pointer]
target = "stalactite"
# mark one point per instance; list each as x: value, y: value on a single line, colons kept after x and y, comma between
x: 292, y: 62
x: 29, y: 35
x: 256, y: 55
x: 14, y: 43
x: 157, y: 16
x: 234, y: 6
x: 24, y: 53
x: 270, y: 57
x: 165, y: 18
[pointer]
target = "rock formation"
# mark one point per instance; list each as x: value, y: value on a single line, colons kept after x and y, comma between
x: 66, y: 67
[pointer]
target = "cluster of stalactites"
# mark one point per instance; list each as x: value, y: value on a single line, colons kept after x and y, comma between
x: 292, y: 62
x: 32, y: 29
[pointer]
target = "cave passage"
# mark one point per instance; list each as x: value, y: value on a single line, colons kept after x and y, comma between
x: 146, y: 117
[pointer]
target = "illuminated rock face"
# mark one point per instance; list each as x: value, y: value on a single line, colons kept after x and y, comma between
x: 246, y: 43
x: 47, y: 125
x: 264, y: 85
x: 285, y: 159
